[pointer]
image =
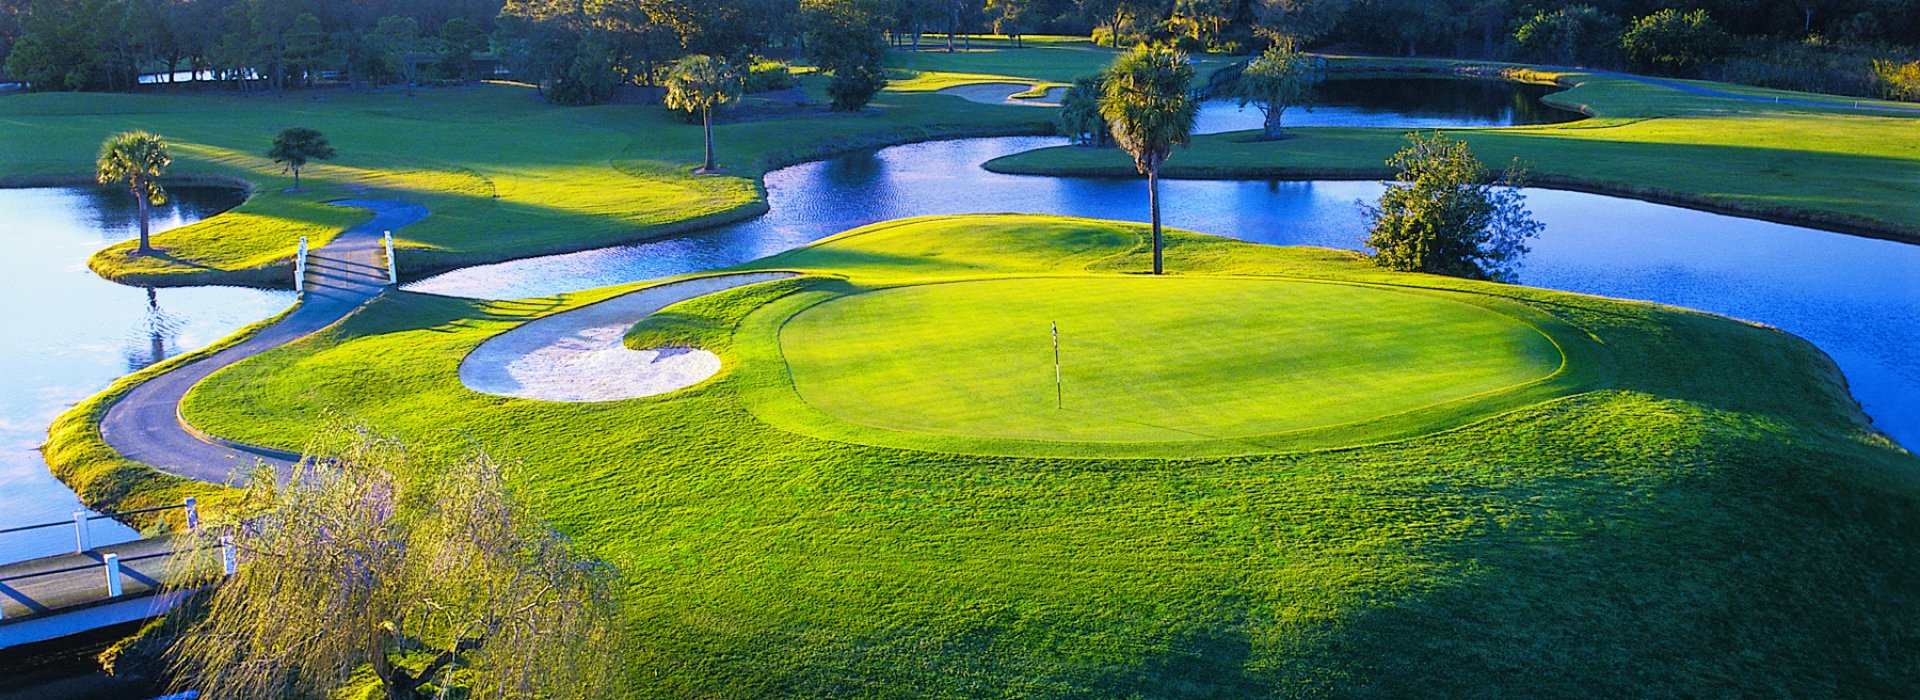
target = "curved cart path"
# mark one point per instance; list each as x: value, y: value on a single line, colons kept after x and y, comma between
x: 579, y: 355
x: 145, y: 425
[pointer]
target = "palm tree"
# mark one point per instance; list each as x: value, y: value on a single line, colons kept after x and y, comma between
x: 1147, y: 107
x: 136, y: 159
x: 698, y: 84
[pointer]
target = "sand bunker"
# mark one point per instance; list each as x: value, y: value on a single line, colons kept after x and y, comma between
x: 1003, y: 94
x: 577, y: 355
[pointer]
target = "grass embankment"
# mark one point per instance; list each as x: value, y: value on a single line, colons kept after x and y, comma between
x: 1851, y: 170
x: 505, y: 175
x: 1706, y: 515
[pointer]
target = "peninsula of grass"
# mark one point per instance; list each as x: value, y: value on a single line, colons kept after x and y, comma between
x: 1836, y: 167
x: 505, y: 175
x: 1392, y: 485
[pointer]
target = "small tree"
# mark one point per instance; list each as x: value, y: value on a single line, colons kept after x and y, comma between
x: 1670, y: 42
x: 137, y: 159
x: 843, y: 38
x: 1282, y: 77
x: 1145, y: 101
x: 297, y: 145
x: 698, y: 84
x: 1079, y: 119
x: 343, y: 568
x: 1448, y: 215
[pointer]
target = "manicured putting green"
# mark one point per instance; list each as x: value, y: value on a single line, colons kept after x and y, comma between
x: 1149, y: 359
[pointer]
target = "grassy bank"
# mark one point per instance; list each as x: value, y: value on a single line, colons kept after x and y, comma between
x: 505, y: 175
x: 1705, y: 515
x: 1833, y: 167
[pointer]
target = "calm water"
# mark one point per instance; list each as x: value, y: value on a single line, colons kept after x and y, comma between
x: 1857, y: 298
x: 1400, y: 102
x: 70, y: 334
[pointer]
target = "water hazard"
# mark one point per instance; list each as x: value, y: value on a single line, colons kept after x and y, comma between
x: 70, y: 334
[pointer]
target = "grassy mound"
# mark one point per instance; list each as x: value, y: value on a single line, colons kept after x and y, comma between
x: 1702, y: 513
x: 1149, y: 360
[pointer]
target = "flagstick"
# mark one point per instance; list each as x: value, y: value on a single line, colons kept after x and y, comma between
x: 1059, y: 393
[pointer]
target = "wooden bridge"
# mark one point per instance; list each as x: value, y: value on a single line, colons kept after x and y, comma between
x: 90, y: 587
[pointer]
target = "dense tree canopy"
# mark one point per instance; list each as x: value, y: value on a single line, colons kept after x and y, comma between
x: 579, y: 51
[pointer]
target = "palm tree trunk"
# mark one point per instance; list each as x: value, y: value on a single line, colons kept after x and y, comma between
x: 140, y: 195
x: 706, y: 115
x: 1153, y: 205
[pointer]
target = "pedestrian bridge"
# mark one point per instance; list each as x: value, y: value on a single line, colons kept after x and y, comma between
x: 91, y: 587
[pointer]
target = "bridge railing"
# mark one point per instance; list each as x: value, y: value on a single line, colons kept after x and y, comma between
x: 82, y: 534
x: 111, y: 562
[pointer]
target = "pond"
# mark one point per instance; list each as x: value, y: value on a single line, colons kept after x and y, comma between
x: 70, y: 334
x: 1857, y: 298
x: 1418, y: 103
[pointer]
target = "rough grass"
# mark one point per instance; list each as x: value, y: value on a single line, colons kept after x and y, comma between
x: 505, y: 175
x: 1843, y: 169
x: 1709, y: 518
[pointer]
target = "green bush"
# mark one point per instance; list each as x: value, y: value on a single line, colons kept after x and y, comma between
x: 1670, y: 42
x: 1896, y: 80
x: 768, y: 76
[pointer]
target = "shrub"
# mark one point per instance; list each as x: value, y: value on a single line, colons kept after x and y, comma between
x: 1079, y: 119
x: 768, y: 76
x: 1568, y: 35
x: 1896, y: 80
x: 1670, y: 42
x: 853, y: 86
x: 1448, y: 215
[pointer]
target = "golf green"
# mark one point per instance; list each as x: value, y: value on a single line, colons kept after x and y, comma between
x: 1149, y: 359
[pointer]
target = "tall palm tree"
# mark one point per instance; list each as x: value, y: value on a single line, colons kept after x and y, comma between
x: 1145, y: 100
x: 698, y: 84
x: 136, y: 159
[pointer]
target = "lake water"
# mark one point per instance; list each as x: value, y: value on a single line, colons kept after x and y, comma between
x: 70, y: 334
x: 1857, y: 298
x: 1417, y: 103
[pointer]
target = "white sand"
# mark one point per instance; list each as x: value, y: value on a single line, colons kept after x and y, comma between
x: 577, y: 355
x: 1003, y: 94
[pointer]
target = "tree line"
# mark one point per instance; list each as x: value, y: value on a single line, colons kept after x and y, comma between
x: 582, y: 50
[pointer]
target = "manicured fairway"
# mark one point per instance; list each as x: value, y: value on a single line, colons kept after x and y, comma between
x: 1149, y: 359
x: 1693, y: 506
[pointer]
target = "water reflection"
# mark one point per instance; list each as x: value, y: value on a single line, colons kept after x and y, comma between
x: 70, y: 333
x: 1402, y: 103
x: 1857, y: 298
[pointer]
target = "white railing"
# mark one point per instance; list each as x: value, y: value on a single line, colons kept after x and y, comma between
x: 300, y: 268
x: 393, y: 269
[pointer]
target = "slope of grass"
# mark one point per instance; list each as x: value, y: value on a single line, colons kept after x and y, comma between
x: 1856, y: 171
x: 505, y: 175
x: 1708, y: 517
x: 1149, y: 359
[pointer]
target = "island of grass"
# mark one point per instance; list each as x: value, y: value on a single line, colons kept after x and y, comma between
x: 875, y: 497
x: 1797, y: 158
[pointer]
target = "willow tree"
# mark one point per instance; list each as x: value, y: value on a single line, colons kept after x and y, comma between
x: 1277, y: 80
x: 342, y: 567
x: 699, y: 84
x: 295, y: 146
x: 1149, y: 110
x: 136, y: 160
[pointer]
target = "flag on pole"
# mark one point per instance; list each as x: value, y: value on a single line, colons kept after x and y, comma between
x: 1059, y: 394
